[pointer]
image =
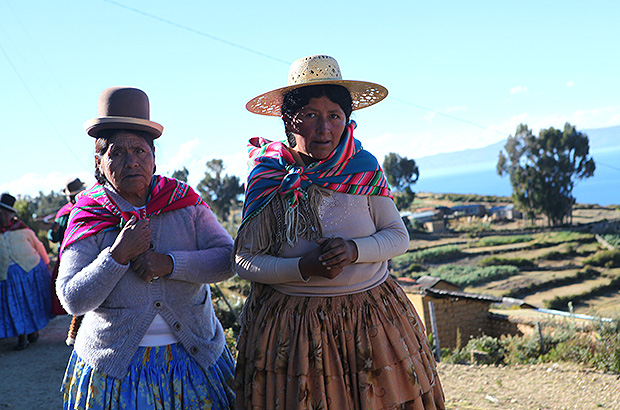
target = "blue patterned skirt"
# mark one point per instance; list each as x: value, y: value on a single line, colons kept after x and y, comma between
x: 25, y: 300
x: 159, y: 378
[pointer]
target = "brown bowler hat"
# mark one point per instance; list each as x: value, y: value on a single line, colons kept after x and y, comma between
x: 73, y: 187
x: 124, y: 108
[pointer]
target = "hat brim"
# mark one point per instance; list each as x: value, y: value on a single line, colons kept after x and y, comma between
x: 5, y: 206
x: 92, y: 127
x: 77, y: 191
x: 363, y: 93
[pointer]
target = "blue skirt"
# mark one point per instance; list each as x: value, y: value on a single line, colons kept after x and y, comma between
x: 25, y: 300
x: 159, y: 378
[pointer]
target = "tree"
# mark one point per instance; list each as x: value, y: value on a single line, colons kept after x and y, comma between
x: 543, y: 170
x: 219, y: 191
x: 401, y: 174
x: 181, y: 174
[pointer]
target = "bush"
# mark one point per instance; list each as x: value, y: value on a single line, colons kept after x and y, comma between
x: 429, y: 255
x: 606, y: 258
x: 496, y: 261
x: 555, y: 238
x: 501, y: 240
x: 612, y: 239
x: 587, y: 273
x: 472, y: 275
x: 522, y: 349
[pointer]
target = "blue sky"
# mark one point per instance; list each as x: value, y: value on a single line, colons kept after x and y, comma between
x: 460, y: 74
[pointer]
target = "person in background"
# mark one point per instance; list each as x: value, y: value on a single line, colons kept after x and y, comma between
x: 325, y: 326
x: 57, y: 232
x: 139, y: 252
x: 25, y: 280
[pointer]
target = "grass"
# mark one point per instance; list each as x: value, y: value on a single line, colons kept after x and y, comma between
x: 501, y: 240
x: 472, y: 275
x: 497, y: 260
x: 596, y: 345
x: 430, y: 255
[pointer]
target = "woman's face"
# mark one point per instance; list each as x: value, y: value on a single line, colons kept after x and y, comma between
x: 317, y: 127
x: 128, y: 165
x: 5, y: 217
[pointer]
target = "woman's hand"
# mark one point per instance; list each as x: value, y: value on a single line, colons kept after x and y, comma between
x: 152, y: 265
x: 329, y: 258
x: 133, y: 240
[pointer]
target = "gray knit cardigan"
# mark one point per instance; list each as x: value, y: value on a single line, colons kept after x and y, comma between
x: 118, y: 306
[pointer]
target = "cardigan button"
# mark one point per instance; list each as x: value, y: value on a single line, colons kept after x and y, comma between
x: 193, y: 350
x: 157, y: 304
x: 176, y: 326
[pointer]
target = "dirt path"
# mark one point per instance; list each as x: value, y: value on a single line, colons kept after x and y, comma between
x: 531, y: 387
x: 30, y: 379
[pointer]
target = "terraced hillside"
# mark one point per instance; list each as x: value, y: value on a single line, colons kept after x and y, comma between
x: 546, y: 269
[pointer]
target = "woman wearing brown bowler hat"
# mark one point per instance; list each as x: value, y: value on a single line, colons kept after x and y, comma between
x: 25, y: 280
x: 325, y: 326
x: 138, y: 255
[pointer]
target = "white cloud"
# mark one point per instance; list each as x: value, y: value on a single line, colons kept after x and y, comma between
x: 570, y: 83
x: 32, y: 183
x: 520, y: 89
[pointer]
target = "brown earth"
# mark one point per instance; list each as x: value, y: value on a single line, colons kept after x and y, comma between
x: 30, y: 379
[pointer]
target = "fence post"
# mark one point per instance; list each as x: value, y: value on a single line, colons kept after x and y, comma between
x: 431, y: 311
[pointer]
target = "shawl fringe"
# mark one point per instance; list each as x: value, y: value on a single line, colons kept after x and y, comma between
x: 277, y: 224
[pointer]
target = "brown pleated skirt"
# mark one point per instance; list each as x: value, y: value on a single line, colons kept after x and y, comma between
x: 362, y: 351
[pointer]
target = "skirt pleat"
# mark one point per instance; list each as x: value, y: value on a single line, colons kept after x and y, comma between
x: 159, y: 378
x: 25, y: 300
x: 361, y: 351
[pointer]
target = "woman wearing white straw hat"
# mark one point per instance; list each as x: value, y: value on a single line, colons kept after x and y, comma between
x: 138, y: 254
x: 325, y: 326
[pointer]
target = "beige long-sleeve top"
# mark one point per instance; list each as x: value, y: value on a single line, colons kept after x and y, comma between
x: 372, y: 222
x: 21, y: 247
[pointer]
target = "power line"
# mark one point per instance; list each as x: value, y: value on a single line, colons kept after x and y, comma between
x: 251, y: 50
x: 200, y: 33
x: 56, y: 132
x: 452, y: 117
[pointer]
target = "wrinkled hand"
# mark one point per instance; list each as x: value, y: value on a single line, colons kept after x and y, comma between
x: 329, y: 258
x: 133, y: 240
x: 152, y: 265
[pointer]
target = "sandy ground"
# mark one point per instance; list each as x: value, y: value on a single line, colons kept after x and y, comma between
x: 30, y: 379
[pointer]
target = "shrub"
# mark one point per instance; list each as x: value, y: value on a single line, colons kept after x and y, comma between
x: 606, y: 258
x: 612, y: 239
x: 521, y: 349
x: 496, y: 261
x: 430, y: 255
x: 501, y: 240
x: 587, y: 273
x: 555, y: 238
x: 472, y: 275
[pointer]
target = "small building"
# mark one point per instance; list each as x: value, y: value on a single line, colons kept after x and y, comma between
x: 506, y: 212
x: 436, y: 225
x: 478, y: 210
x: 459, y: 316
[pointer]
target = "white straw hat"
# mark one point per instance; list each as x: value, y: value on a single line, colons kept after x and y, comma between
x: 312, y: 70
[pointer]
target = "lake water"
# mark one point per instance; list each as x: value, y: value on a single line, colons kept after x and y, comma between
x: 481, y: 178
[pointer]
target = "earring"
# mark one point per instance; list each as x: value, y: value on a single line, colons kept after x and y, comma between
x: 292, y: 142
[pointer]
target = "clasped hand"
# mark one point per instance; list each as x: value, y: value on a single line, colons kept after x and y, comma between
x: 132, y: 245
x: 329, y: 258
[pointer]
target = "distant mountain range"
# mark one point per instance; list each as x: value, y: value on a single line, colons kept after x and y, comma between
x: 600, y: 138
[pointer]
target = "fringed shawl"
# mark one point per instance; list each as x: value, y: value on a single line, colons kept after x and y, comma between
x: 348, y: 169
x: 95, y: 212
